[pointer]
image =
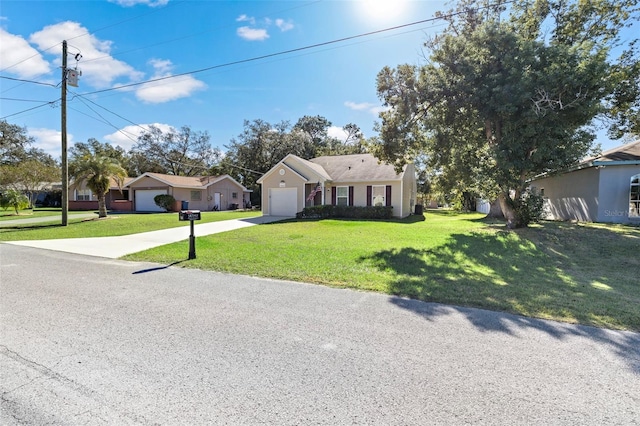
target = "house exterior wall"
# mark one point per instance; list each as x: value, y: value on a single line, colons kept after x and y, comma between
x: 226, y: 188
x: 287, y: 180
x: 571, y: 196
x: 360, y: 195
x: 184, y: 194
x: 112, y: 200
x: 613, y: 206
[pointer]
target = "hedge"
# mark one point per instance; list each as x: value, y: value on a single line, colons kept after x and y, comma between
x: 348, y: 212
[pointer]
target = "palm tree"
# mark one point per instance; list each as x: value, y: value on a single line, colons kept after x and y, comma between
x: 97, y: 171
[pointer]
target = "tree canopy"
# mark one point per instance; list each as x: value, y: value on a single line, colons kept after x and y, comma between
x: 24, y: 168
x: 262, y: 145
x: 182, y: 152
x: 502, y: 100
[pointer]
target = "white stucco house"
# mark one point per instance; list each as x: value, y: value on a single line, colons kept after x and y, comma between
x: 353, y: 180
x: 605, y: 188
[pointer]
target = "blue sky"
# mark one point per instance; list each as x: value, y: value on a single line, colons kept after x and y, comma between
x: 128, y: 42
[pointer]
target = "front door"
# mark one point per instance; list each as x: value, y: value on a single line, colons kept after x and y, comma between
x: 216, y: 201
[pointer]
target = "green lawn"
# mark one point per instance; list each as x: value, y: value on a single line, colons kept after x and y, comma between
x: 578, y: 273
x: 113, y: 225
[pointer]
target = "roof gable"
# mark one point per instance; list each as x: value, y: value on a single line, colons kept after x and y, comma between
x: 193, y: 182
x: 626, y: 152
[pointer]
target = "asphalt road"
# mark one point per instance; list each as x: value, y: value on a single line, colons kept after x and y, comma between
x: 85, y: 340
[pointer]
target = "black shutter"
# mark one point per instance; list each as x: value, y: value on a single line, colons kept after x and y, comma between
x: 388, y: 196
x: 351, y: 195
x: 333, y: 196
x: 369, y: 195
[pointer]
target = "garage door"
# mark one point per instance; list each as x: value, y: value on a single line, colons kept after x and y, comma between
x: 283, y: 201
x: 144, y: 200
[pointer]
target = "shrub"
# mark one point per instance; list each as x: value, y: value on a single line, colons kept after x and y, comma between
x: 530, y: 207
x: 347, y: 212
x: 165, y: 201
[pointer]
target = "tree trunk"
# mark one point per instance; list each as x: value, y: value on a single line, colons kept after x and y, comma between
x: 508, y: 211
x: 495, y: 211
x: 102, y: 206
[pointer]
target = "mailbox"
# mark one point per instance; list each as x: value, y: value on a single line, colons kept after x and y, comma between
x: 189, y: 215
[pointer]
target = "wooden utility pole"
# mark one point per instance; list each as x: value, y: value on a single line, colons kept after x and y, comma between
x: 63, y: 131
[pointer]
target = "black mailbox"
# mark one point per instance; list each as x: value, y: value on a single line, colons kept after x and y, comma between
x: 189, y: 214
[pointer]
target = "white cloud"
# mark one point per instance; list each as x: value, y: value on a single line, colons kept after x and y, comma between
x: 245, y: 18
x: 130, y: 3
x: 128, y: 136
x: 359, y: 107
x: 366, y: 106
x: 169, y: 89
x: 253, y: 34
x: 19, y: 58
x: 99, y: 68
x: 337, y: 132
x: 49, y: 140
x: 284, y: 25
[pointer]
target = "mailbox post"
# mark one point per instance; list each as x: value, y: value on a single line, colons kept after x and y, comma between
x: 191, y: 216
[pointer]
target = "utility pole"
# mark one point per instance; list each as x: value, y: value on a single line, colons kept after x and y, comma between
x: 63, y: 131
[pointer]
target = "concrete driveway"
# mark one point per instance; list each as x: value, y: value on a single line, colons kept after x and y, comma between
x: 115, y: 247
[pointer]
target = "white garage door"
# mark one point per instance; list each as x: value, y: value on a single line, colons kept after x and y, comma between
x: 144, y: 200
x: 283, y: 201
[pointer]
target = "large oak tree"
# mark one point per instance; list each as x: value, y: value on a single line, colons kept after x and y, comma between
x: 502, y: 100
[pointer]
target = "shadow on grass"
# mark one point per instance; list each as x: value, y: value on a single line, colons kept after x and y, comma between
x: 563, y: 271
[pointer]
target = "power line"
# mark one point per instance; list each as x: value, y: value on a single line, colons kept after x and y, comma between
x: 87, y: 33
x: 23, y: 100
x: 28, y: 81
x: 190, y: 35
x: 284, y: 52
x: 30, y: 109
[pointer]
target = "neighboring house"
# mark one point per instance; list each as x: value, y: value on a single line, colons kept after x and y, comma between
x: 199, y: 192
x: 605, y: 188
x: 82, y: 198
x: 354, y: 180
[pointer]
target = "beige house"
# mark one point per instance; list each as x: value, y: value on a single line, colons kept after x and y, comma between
x: 354, y: 180
x: 197, y: 193
x: 605, y: 188
x: 193, y: 192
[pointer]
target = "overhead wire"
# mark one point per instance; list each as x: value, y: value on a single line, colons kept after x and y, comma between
x: 285, y: 52
x: 50, y: 103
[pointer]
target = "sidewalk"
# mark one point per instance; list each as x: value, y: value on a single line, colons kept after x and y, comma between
x: 44, y: 219
x: 115, y: 247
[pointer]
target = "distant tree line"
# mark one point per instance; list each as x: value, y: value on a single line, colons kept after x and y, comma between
x: 180, y: 152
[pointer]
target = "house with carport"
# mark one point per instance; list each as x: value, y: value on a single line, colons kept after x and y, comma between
x: 351, y: 180
x: 605, y: 188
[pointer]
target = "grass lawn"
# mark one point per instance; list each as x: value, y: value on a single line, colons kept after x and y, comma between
x: 578, y: 273
x: 113, y: 225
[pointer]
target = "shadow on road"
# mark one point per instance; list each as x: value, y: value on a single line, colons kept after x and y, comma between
x: 558, y: 270
x: 159, y: 268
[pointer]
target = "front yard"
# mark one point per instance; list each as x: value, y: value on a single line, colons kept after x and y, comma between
x: 578, y: 273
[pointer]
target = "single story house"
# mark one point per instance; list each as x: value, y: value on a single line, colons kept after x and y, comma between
x: 205, y: 193
x: 605, y: 188
x: 354, y: 180
x: 82, y: 198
